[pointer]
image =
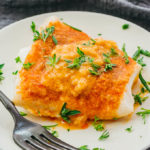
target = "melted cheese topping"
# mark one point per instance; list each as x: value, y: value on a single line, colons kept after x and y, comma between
x: 45, y: 89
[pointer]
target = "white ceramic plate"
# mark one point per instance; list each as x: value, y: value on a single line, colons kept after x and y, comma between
x: 18, y: 35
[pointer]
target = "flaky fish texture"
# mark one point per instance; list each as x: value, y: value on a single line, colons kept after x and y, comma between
x: 43, y: 89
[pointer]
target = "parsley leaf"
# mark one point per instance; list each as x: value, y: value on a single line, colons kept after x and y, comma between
x: 144, y: 82
x: 84, y: 147
x: 49, y: 126
x: 125, y: 54
x: 98, y: 149
x: 46, y: 33
x: 15, y: 73
x: 36, y: 34
x: 67, y: 61
x: 145, y: 52
x: 109, y: 66
x: 99, y: 34
x: 125, y: 26
x: 65, y: 113
x: 87, y: 44
x: 54, y: 133
x: 53, y: 60
x: 104, y: 135
x: 54, y: 40
x: 138, y: 99
x: 144, y: 113
x: 27, y: 65
x: 18, y: 60
x: 80, y: 52
x: 94, y: 72
x: 33, y: 26
x: 129, y: 129
x: 140, y: 61
x: 93, y: 41
x: 143, y: 90
x: 72, y: 27
x: 97, y: 124
x: 1, y: 72
x: 78, y: 61
x: 22, y: 113
x: 95, y: 69
x: 137, y: 54
x: 113, y: 52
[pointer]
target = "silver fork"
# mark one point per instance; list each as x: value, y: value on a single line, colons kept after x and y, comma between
x: 32, y: 136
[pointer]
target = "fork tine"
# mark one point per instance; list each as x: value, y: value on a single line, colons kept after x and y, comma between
x: 25, y: 146
x: 47, y: 143
x: 57, y: 141
x: 37, y: 145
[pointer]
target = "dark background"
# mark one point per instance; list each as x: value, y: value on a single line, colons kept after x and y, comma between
x: 137, y: 11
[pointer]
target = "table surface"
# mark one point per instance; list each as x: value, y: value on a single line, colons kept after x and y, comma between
x: 11, y: 12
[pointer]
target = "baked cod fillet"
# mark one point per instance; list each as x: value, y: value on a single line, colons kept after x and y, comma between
x: 90, y: 76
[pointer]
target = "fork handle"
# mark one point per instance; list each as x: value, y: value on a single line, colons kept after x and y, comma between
x: 9, y: 105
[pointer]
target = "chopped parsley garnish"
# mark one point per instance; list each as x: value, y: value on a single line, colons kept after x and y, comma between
x: 1, y: 72
x: 33, y: 27
x: 72, y: 27
x: 77, y: 61
x: 67, y: 61
x: 97, y: 124
x: 27, y: 65
x: 65, y: 113
x: 113, y: 52
x: 22, y: 113
x: 54, y: 40
x: 84, y: 147
x: 125, y: 26
x: 104, y: 135
x: 140, y: 61
x: 144, y: 82
x: 80, y: 52
x: 15, y: 72
x: 138, y: 99
x: 115, y: 118
x: 44, y: 33
x: 99, y: 34
x: 125, y: 54
x: 145, y: 52
x: 54, y: 133
x: 36, y: 34
x: 109, y: 66
x: 18, y: 60
x: 87, y: 44
x: 90, y: 59
x: 137, y: 54
x: 53, y: 60
x: 98, y: 149
x: 47, y: 32
x: 49, y: 126
x: 129, y: 129
x: 68, y: 130
x: 95, y: 69
x: 93, y: 41
x: 143, y: 90
x: 144, y: 113
x: 94, y: 72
